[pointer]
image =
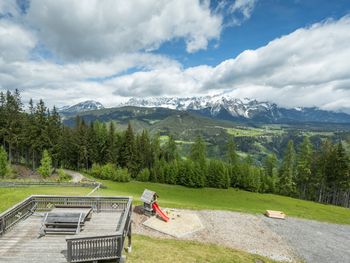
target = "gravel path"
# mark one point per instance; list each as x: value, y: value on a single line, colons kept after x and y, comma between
x: 282, y: 240
x: 76, y: 176
x: 314, y: 241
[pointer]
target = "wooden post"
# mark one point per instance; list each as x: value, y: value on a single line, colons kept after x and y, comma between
x: 69, y: 250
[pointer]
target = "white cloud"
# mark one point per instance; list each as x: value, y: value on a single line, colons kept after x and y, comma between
x: 93, y: 29
x: 236, y: 11
x: 15, y: 41
x: 62, y: 84
x: 245, y: 7
x: 305, y: 68
x: 308, y: 67
x: 310, y: 61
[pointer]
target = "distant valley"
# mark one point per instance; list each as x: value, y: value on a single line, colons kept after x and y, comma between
x: 259, y: 128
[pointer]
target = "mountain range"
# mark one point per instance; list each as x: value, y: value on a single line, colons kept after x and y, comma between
x: 81, y: 107
x: 224, y: 108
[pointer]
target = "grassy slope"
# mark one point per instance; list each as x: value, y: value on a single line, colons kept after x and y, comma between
x: 145, y: 249
x: 206, y: 198
x: 230, y: 199
x: 149, y: 250
x: 11, y: 196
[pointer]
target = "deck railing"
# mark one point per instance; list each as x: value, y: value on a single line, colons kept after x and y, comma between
x: 85, y: 248
x: 14, y: 215
x: 11, y: 184
x: 102, y: 247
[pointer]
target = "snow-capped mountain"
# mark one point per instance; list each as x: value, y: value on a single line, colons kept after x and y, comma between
x: 224, y: 106
x: 81, y: 107
x: 215, y: 106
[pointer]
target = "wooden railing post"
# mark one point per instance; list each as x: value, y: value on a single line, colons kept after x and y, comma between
x: 69, y: 250
x: 2, y: 226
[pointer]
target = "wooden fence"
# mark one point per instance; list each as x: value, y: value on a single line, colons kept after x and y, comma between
x: 9, y: 184
x: 79, y: 249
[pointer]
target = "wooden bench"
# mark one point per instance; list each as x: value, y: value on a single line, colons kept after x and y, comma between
x: 65, y: 220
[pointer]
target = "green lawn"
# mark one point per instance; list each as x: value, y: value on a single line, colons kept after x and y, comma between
x: 205, y: 198
x: 149, y: 250
x: 230, y: 199
x: 11, y: 196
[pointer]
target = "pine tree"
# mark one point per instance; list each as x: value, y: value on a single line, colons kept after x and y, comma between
x: 218, y: 175
x: 269, y: 180
x: 45, y: 168
x: 127, y: 151
x: 286, y: 184
x: 112, y: 143
x: 170, y: 149
x: 4, y: 166
x: 232, y: 156
x: 304, y: 167
x: 198, y: 151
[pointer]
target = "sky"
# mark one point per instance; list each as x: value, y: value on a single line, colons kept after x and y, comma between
x: 295, y: 53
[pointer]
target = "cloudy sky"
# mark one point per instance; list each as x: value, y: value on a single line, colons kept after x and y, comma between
x: 292, y: 52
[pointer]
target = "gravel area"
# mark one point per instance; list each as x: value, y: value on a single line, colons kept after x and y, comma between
x: 314, y: 241
x: 236, y: 230
x: 290, y: 240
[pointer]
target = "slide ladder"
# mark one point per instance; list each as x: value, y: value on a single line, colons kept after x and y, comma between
x: 155, y: 207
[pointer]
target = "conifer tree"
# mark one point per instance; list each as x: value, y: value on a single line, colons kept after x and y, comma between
x: 45, y: 168
x: 170, y: 149
x: 304, y: 167
x: 232, y: 156
x: 198, y: 151
x: 286, y: 182
x: 4, y: 166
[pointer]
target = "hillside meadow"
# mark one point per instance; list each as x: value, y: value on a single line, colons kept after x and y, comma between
x: 189, y: 198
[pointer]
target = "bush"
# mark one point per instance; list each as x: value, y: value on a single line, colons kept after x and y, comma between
x: 96, y: 170
x: 144, y: 175
x: 122, y: 175
x: 110, y: 172
x: 62, y: 176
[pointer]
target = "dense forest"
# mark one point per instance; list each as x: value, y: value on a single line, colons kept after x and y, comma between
x: 37, y: 137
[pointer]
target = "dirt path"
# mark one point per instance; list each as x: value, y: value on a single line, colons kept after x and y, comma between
x: 289, y: 240
x: 76, y: 176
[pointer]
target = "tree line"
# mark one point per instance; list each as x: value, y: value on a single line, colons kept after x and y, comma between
x: 320, y: 174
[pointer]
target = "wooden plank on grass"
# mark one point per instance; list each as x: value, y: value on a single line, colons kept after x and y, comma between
x: 275, y: 214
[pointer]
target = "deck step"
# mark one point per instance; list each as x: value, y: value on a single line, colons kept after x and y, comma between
x: 60, y: 230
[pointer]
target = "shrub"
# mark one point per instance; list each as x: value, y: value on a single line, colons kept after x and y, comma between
x: 122, y: 175
x: 108, y: 171
x: 144, y: 175
x: 62, y: 176
x: 96, y: 170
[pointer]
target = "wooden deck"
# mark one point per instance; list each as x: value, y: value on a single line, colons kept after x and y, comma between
x: 22, y: 244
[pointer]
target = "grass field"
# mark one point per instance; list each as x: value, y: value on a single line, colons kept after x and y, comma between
x: 145, y: 249
x: 230, y: 199
x: 11, y: 196
x: 205, y: 198
x: 150, y: 250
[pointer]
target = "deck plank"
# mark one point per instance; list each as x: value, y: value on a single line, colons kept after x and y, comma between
x: 22, y: 244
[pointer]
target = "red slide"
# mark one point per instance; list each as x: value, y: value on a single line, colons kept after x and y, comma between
x: 155, y: 206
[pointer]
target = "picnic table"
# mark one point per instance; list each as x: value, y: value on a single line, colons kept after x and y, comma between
x: 65, y: 220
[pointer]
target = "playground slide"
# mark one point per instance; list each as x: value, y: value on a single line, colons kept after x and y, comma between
x: 155, y: 206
